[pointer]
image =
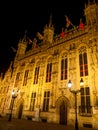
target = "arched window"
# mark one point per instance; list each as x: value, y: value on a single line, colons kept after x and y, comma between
x: 46, y: 101
x: 17, y: 79
x: 83, y: 64
x: 49, y: 70
x: 32, y: 103
x: 64, y: 67
x: 25, y: 77
x: 36, y: 74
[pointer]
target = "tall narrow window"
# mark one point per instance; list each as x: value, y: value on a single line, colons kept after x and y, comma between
x: 48, y: 72
x: 18, y: 76
x: 32, y: 103
x: 64, y: 69
x: 17, y: 79
x: 83, y: 64
x: 85, y: 100
x: 46, y: 101
x: 36, y: 75
x: 25, y: 78
x: 1, y: 102
x: 7, y: 89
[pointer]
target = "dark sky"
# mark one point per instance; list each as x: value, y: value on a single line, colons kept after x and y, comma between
x: 16, y: 17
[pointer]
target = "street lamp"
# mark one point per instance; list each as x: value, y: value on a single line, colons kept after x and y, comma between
x: 75, y: 92
x: 14, y: 95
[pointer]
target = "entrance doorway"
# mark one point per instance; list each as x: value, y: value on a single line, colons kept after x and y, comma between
x: 63, y: 113
x: 20, y: 111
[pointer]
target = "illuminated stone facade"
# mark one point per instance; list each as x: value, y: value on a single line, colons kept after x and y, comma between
x: 42, y: 74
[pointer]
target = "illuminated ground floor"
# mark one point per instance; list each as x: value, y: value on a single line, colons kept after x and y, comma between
x: 61, y: 113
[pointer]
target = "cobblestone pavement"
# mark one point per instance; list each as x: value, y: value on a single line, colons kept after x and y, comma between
x: 23, y: 124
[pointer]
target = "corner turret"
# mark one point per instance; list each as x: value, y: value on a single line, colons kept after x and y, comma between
x: 48, y: 32
x: 22, y: 45
x: 91, y: 15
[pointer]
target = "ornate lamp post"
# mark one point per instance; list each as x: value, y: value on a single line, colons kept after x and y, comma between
x: 14, y: 95
x: 75, y: 92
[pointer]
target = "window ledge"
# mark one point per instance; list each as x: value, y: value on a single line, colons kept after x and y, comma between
x: 86, y: 114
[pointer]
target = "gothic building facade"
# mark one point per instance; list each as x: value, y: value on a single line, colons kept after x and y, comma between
x: 41, y: 75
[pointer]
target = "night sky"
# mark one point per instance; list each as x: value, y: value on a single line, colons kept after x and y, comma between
x: 18, y: 17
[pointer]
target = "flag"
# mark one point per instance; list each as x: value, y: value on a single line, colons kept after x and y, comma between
x: 40, y: 37
x: 81, y: 25
x: 14, y: 50
x: 30, y: 41
x: 68, y: 22
x: 34, y: 43
x: 62, y: 33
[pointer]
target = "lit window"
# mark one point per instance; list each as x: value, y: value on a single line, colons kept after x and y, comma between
x: 25, y: 78
x: 83, y: 62
x: 85, y: 100
x: 64, y: 68
x: 46, y: 101
x: 48, y: 72
x: 32, y: 103
x: 36, y: 75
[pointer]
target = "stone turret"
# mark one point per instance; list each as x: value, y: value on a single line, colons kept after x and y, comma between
x: 48, y: 32
x: 91, y: 15
x: 22, y: 45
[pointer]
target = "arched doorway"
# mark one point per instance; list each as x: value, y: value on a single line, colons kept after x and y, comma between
x: 20, y: 111
x: 62, y: 110
x: 63, y: 113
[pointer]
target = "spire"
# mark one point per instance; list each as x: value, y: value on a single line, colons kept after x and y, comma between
x: 50, y: 21
x: 94, y: 1
x: 25, y: 32
x: 50, y: 25
x: 88, y: 2
x: 25, y: 37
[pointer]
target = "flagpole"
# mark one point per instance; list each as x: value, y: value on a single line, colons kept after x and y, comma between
x: 68, y: 22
